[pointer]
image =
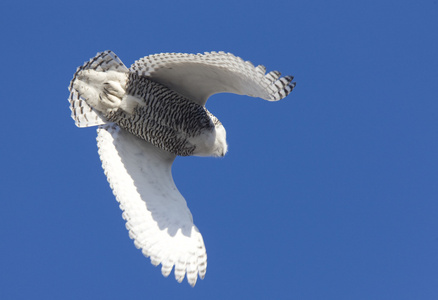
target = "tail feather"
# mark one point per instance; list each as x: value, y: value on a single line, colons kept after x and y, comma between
x: 83, y: 113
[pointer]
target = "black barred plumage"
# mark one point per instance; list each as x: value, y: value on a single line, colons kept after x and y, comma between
x: 166, y: 119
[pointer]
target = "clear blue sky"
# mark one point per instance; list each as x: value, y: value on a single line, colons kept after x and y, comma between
x: 330, y: 193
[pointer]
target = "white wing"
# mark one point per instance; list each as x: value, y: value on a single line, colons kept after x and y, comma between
x: 156, y: 214
x: 202, y: 75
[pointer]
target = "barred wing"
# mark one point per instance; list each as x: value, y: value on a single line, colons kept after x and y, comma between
x: 156, y: 214
x: 198, y: 76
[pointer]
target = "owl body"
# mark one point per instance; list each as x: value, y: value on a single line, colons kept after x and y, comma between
x: 153, y: 112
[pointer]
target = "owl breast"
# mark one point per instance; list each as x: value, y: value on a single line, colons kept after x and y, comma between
x: 168, y: 120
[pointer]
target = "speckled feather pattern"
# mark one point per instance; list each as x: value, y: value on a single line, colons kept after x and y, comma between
x: 246, y: 78
x: 167, y: 119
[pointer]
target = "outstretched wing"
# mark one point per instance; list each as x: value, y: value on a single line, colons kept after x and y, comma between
x: 156, y: 214
x: 198, y: 76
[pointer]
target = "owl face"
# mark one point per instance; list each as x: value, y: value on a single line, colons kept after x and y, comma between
x: 221, y: 146
x: 210, y: 142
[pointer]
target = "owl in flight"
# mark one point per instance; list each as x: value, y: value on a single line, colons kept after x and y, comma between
x: 146, y: 116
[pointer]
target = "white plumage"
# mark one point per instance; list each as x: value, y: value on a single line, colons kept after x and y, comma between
x: 149, y: 114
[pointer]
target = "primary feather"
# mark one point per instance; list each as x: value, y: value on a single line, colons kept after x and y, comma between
x: 149, y: 114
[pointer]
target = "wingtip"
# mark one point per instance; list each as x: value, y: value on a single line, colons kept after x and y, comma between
x: 282, y: 87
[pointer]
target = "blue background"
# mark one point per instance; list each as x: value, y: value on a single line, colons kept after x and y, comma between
x: 330, y: 193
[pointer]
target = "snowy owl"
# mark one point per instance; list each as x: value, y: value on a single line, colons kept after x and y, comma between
x: 146, y: 116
